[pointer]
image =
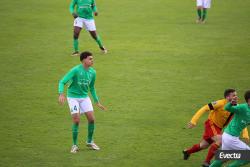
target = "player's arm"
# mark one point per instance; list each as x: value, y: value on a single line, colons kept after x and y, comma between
x: 93, y: 93
x: 94, y: 8
x: 62, y: 83
x: 231, y: 107
x: 197, y: 116
x: 210, y: 106
x: 92, y: 89
x: 72, y: 8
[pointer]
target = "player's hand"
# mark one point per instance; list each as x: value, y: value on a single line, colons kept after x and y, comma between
x: 190, y: 125
x: 101, y: 106
x: 95, y: 13
x: 74, y: 15
x: 61, y: 99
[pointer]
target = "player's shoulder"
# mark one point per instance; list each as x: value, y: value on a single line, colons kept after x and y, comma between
x: 243, y: 105
x: 221, y: 102
x: 77, y: 67
x: 91, y: 69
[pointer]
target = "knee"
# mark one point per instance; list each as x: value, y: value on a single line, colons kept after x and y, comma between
x: 94, y: 36
x: 218, y: 140
x: 76, y: 35
x: 91, y: 121
x: 204, y: 145
x: 76, y: 120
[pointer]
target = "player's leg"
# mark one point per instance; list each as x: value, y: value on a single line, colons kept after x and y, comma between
x: 195, y: 148
x: 206, y: 6
x: 76, y: 34
x: 74, y: 110
x: 234, y: 143
x: 238, y: 163
x: 204, y: 15
x: 78, y: 24
x: 91, y: 127
x: 199, y: 10
x: 98, y: 40
x: 75, y: 127
x: 205, y: 142
x: 212, y: 150
x: 87, y: 108
x: 90, y: 26
x: 216, y: 163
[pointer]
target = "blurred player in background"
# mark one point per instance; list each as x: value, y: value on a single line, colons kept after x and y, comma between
x: 202, y: 6
x: 230, y: 137
x: 81, y: 79
x: 84, y: 16
x: 217, y: 119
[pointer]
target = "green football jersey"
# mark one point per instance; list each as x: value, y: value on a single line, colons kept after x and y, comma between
x: 84, y: 8
x: 80, y: 82
x: 240, y: 120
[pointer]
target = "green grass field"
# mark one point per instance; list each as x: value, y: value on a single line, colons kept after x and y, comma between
x: 161, y: 67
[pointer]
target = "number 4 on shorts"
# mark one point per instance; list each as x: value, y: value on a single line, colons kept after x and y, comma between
x: 75, y: 108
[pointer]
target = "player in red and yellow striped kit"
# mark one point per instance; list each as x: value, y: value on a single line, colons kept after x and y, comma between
x: 218, y: 118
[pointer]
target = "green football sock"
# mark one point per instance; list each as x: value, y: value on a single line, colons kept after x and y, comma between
x: 216, y: 163
x: 76, y: 45
x: 199, y: 13
x: 75, y: 133
x: 99, y: 41
x: 204, y: 14
x: 91, y: 128
x: 238, y: 163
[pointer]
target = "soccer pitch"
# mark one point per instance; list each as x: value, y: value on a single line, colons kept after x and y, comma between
x: 161, y: 67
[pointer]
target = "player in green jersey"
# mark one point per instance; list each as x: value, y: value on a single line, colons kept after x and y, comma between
x: 230, y: 137
x: 81, y: 79
x: 83, y: 16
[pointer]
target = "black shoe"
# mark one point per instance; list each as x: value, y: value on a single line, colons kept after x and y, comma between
x: 205, y: 164
x: 185, y: 155
x: 75, y: 53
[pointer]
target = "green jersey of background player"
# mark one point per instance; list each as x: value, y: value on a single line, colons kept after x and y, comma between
x: 84, y: 16
x: 230, y: 137
x: 81, y: 79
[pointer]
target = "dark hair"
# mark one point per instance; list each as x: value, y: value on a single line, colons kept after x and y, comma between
x: 247, y: 95
x: 228, y: 91
x: 84, y: 55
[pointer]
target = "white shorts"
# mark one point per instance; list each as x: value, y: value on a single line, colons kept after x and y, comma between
x: 204, y: 3
x: 80, y: 105
x: 230, y: 142
x: 88, y: 24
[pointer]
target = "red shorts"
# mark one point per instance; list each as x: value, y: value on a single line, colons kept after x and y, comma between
x: 211, y: 130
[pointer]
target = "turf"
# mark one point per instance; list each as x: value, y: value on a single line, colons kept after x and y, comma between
x: 161, y: 67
